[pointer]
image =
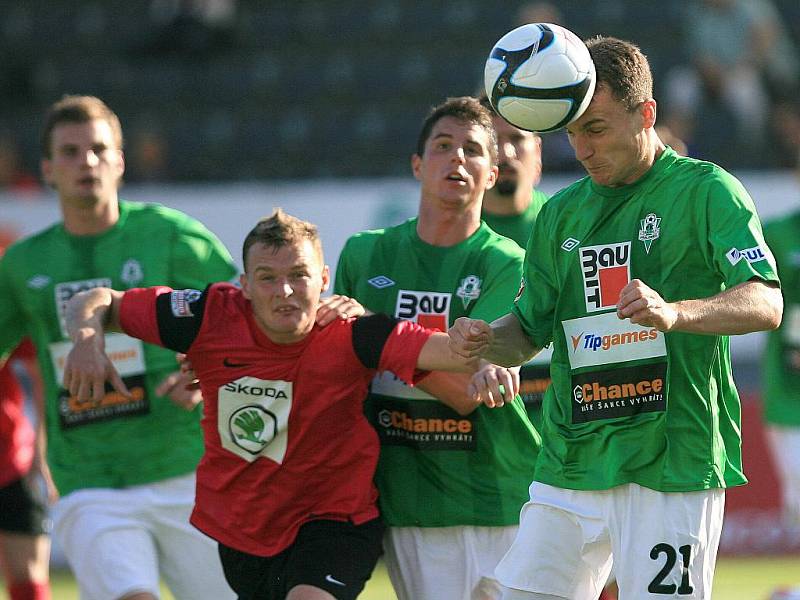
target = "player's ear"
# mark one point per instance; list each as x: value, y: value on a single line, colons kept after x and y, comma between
x: 326, y: 278
x: 243, y: 283
x: 648, y: 113
x: 416, y: 166
x: 492, y: 179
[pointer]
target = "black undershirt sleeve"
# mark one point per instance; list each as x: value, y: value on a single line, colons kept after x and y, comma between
x: 369, y: 337
x: 179, y: 332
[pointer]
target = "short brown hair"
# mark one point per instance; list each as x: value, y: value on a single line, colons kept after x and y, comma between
x: 467, y: 110
x: 623, y: 69
x: 78, y: 109
x: 279, y: 230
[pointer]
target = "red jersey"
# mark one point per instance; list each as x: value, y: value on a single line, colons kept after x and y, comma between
x: 286, y: 440
x: 16, y: 433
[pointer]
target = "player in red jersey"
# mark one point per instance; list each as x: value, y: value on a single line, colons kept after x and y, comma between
x: 24, y: 543
x: 285, y: 485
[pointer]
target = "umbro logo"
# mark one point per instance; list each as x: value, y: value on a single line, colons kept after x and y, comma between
x: 37, y: 282
x: 380, y: 282
x: 570, y: 244
x: 233, y: 365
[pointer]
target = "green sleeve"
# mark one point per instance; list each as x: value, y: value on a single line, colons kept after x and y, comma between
x: 199, y: 257
x: 739, y: 252
x: 12, y: 321
x: 343, y: 281
x: 535, y: 306
x: 498, y: 295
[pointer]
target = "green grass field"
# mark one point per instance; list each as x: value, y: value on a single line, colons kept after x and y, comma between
x: 736, y: 579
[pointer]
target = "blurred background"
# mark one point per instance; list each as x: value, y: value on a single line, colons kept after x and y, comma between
x: 232, y: 107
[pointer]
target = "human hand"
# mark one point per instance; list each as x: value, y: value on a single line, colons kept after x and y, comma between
x: 337, y: 307
x: 470, y: 338
x: 493, y: 385
x: 182, y: 387
x: 644, y: 306
x: 87, y: 368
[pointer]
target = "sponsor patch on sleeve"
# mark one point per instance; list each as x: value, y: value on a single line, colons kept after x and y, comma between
x: 181, y: 302
x: 751, y: 255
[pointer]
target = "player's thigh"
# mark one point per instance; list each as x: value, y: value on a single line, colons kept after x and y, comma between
x: 107, y: 543
x: 335, y: 556
x: 188, y: 559
x: 420, y: 564
x: 562, y: 546
x: 24, y: 525
x: 665, y: 544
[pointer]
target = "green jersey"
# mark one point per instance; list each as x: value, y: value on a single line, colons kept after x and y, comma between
x: 630, y: 403
x: 535, y: 375
x: 119, y: 441
x: 438, y: 468
x: 517, y: 227
x: 781, y: 360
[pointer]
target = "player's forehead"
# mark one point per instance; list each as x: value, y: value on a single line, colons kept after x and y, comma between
x: 92, y: 132
x: 293, y: 255
x: 603, y: 108
x: 455, y: 129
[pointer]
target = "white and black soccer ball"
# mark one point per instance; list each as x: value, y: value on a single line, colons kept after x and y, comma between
x: 540, y: 77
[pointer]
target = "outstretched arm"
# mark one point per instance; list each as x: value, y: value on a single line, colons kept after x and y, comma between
x: 503, y: 342
x: 754, y: 305
x: 89, y: 315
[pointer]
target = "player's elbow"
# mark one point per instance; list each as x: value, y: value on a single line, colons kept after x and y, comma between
x: 772, y: 307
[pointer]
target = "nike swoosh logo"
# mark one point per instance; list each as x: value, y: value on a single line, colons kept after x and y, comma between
x: 228, y: 363
x: 330, y: 579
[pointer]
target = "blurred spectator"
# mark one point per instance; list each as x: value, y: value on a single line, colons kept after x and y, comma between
x: 191, y: 28
x: 539, y: 12
x: 13, y: 176
x: 147, y: 156
x: 670, y: 139
x: 785, y: 135
x: 741, y: 57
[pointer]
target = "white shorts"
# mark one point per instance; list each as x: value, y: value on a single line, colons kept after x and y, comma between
x: 120, y: 541
x: 785, y: 445
x: 456, y: 563
x: 664, y: 544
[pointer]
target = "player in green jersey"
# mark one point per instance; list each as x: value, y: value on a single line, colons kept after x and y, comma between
x: 637, y: 275
x: 510, y: 208
x: 781, y: 366
x: 451, y: 482
x: 124, y: 466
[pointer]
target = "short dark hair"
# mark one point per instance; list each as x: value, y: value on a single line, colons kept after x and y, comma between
x: 78, y: 109
x: 467, y: 110
x: 279, y: 230
x: 623, y: 69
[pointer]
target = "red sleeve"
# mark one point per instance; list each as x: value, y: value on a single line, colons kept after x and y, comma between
x: 401, y: 351
x: 137, y: 313
x: 25, y: 350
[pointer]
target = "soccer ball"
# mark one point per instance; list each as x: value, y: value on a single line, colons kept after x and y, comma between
x: 539, y: 77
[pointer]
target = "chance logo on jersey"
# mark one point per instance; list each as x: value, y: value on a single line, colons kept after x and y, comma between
x: 618, y: 393
x: 429, y: 309
x: 606, y: 270
x: 422, y: 425
x: 252, y: 417
x: 604, y: 339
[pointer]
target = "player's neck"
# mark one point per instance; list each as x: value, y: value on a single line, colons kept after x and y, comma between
x: 445, y: 228
x: 496, y: 204
x: 89, y: 217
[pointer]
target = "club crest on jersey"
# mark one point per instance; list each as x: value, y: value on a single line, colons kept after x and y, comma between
x: 429, y: 309
x: 649, y: 230
x: 606, y: 270
x: 469, y: 290
x: 181, y: 302
x: 132, y: 273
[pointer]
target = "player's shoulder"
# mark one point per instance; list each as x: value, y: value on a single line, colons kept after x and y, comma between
x: 33, y: 245
x: 498, y: 245
x: 362, y: 244
x: 155, y: 214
